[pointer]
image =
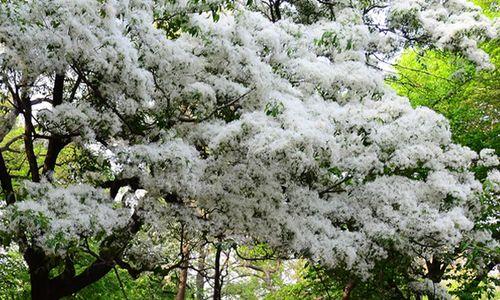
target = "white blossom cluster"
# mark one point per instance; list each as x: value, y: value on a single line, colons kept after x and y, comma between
x: 318, y: 156
x: 58, y: 219
x: 427, y: 287
x: 449, y: 24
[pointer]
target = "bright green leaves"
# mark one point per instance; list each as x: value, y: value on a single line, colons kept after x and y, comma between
x: 449, y: 84
x: 328, y: 39
x: 273, y: 109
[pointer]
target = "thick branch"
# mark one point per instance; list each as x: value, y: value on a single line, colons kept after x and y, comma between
x: 435, y: 269
x: 58, y: 91
x: 56, y: 143
x: 112, y: 250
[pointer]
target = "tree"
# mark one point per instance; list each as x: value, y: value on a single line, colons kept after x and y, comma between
x: 234, y: 126
x: 449, y: 84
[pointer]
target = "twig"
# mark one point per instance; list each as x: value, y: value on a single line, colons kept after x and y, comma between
x: 121, y: 283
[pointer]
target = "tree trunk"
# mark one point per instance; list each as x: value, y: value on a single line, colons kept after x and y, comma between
x: 200, y: 276
x: 348, y: 289
x: 39, y: 280
x: 6, y: 182
x: 217, y: 276
x: 68, y: 282
x: 435, y: 269
x: 181, y: 289
x: 277, y: 10
x: 39, y: 274
x: 44, y: 288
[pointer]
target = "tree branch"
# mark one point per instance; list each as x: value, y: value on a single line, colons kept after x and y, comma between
x: 6, y: 182
x: 56, y: 143
x: 29, y: 133
x: 112, y: 249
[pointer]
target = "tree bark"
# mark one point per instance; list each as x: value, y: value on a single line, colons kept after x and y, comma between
x: 277, y: 9
x: 181, y: 289
x: 29, y: 135
x: 435, y: 269
x: 39, y: 274
x: 6, y: 182
x: 348, y: 289
x: 67, y: 283
x: 56, y: 144
x: 200, y: 276
x: 217, y: 276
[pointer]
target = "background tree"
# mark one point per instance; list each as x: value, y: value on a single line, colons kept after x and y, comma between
x: 450, y: 84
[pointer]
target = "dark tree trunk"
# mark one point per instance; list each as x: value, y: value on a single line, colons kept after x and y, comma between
x: 435, y: 269
x: 348, y: 289
x: 29, y: 132
x: 6, y: 182
x: 56, y: 144
x: 44, y: 288
x: 39, y: 274
x: 68, y: 282
x: 217, y: 276
x: 277, y: 10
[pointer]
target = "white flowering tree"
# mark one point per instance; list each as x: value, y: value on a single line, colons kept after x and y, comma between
x: 264, y: 121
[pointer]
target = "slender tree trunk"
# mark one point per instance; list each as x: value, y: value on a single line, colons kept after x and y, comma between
x: 200, y: 276
x: 435, y: 272
x: 6, y: 182
x: 217, y: 276
x: 348, y: 289
x: 181, y: 289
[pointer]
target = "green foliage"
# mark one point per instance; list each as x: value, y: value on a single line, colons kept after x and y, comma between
x: 14, y: 153
x: 490, y: 7
x: 258, y: 273
x: 389, y: 282
x: 14, y: 282
x: 313, y: 284
x: 449, y: 84
x: 147, y: 286
x: 274, y: 109
x: 327, y: 39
